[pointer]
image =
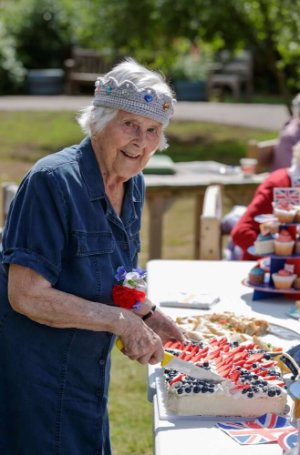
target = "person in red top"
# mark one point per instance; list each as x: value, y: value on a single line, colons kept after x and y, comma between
x: 246, y: 230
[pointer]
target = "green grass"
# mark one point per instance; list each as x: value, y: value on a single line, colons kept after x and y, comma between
x: 130, y: 411
x: 27, y: 136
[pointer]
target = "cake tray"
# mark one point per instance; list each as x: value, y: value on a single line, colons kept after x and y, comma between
x: 251, y: 250
x: 267, y: 288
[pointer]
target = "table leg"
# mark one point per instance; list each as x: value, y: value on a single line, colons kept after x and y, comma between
x: 158, y: 205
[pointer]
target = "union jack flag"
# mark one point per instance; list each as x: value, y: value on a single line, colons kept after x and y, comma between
x: 265, y: 429
x: 284, y: 196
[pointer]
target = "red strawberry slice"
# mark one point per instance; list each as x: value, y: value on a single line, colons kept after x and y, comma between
x: 269, y: 364
x: 214, y: 354
x: 262, y: 373
x: 224, y: 371
x: 168, y: 344
x: 234, y: 376
x: 255, y: 358
x: 240, y: 356
x: 240, y: 363
x: 240, y: 387
x: 177, y: 378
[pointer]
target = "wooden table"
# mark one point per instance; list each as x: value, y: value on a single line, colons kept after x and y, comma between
x: 191, y: 180
x: 196, y: 436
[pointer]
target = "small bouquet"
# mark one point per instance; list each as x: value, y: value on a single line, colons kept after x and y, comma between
x: 130, y: 292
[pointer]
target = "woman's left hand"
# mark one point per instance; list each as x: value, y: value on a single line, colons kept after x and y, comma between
x: 164, y: 326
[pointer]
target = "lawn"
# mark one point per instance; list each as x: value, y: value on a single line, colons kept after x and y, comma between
x: 27, y: 136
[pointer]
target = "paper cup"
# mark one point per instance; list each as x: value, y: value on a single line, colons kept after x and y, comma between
x: 248, y: 165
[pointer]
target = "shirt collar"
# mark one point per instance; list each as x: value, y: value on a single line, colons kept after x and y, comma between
x: 92, y: 174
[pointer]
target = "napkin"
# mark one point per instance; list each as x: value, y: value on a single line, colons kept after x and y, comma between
x: 267, y: 428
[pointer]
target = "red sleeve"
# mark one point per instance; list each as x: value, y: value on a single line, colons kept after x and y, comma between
x: 246, y: 230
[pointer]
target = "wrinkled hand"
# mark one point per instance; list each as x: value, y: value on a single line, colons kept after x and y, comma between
x: 165, y: 327
x: 140, y: 342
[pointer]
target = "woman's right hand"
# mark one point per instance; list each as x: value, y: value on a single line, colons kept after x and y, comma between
x: 140, y: 342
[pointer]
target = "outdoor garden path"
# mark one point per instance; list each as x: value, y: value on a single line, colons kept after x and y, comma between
x: 265, y: 116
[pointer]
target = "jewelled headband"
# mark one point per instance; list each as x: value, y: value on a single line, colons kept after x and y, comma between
x: 126, y: 96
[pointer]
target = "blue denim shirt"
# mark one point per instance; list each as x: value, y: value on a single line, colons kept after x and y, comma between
x: 62, y: 225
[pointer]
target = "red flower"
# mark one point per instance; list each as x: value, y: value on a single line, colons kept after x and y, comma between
x: 127, y: 297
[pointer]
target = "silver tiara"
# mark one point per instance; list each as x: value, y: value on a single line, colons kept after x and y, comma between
x: 126, y: 96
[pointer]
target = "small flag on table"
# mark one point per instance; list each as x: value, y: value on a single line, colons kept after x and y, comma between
x: 267, y: 428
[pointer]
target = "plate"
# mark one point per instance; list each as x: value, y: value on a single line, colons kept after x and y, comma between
x: 267, y: 288
x: 265, y: 217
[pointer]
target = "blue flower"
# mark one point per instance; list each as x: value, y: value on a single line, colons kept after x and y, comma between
x: 121, y: 273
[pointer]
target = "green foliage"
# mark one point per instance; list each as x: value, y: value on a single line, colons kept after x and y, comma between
x: 12, y: 72
x: 41, y: 30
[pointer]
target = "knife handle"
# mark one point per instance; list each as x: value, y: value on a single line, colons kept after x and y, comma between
x: 166, y: 359
x: 119, y: 344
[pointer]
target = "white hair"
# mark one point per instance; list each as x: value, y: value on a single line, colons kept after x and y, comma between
x: 97, y: 117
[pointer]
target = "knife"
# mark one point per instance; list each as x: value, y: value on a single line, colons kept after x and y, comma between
x: 182, y: 366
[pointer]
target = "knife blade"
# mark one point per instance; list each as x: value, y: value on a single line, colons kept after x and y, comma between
x: 182, y: 366
x: 171, y: 361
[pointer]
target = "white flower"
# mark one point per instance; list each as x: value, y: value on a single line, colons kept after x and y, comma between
x: 133, y: 280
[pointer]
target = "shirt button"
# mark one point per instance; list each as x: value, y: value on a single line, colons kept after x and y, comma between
x: 102, y: 362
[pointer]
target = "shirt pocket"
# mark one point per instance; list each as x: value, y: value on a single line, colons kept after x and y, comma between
x: 93, y: 243
x: 94, y: 252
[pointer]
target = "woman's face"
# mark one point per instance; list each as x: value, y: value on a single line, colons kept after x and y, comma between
x: 125, y: 145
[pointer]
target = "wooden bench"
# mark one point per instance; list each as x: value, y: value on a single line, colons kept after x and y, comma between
x: 84, y: 67
x: 234, y: 74
x: 210, y: 226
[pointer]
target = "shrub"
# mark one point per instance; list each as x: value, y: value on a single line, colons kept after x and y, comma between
x: 12, y: 72
x: 42, y: 32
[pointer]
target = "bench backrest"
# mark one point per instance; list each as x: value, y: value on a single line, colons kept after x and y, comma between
x: 90, y: 61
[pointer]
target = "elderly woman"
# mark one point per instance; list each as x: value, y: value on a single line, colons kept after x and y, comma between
x: 74, y: 222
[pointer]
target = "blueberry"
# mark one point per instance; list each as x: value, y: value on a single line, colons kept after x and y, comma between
x: 250, y: 394
x: 179, y: 390
x: 188, y: 390
x: 196, y: 389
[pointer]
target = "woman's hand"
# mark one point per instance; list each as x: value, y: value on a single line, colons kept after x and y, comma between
x: 140, y: 342
x: 165, y: 327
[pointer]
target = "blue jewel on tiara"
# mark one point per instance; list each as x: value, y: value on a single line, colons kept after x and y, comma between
x: 108, y: 88
x: 148, y: 98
